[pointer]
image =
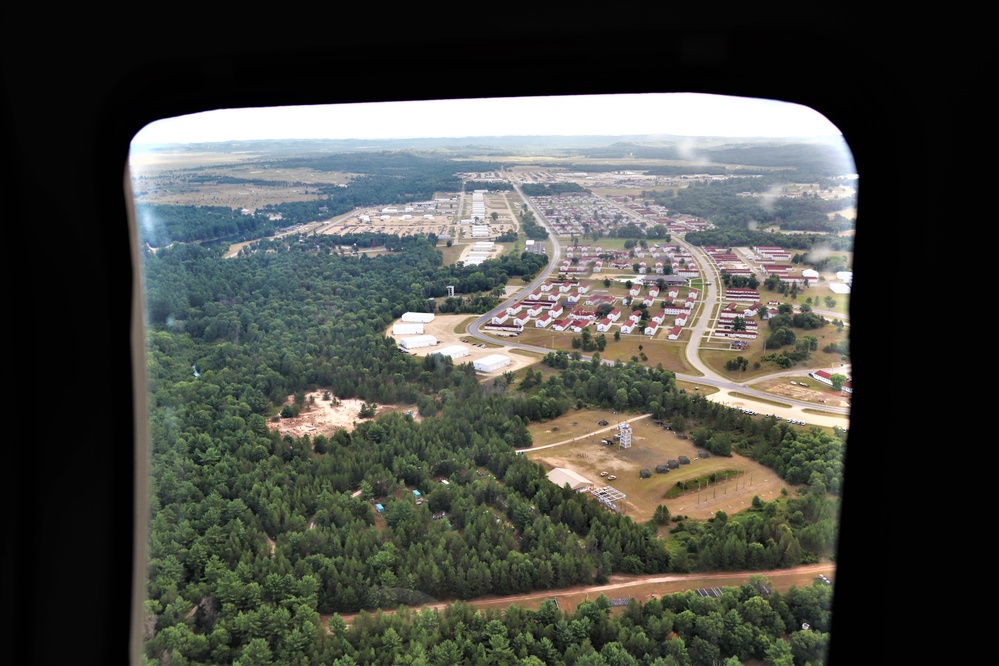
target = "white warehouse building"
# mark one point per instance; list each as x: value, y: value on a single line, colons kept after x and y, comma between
x: 418, y: 341
x: 407, y: 329
x: 491, y: 363
x: 421, y: 317
x: 454, y: 351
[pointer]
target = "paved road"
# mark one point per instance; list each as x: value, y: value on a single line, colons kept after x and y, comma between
x: 799, y: 410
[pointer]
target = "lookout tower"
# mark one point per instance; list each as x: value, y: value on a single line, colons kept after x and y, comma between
x: 624, y: 435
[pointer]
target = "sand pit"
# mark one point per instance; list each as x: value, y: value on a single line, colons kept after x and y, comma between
x: 324, y: 417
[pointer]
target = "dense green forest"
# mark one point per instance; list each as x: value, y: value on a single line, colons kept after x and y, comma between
x: 254, y: 534
x: 532, y: 229
x: 492, y: 185
x: 749, y: 622
x: 744, y: 203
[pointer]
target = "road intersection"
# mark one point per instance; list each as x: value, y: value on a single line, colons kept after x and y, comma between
x: 736, y: 394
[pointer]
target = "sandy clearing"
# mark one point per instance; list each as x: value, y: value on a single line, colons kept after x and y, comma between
x: 324, y: 417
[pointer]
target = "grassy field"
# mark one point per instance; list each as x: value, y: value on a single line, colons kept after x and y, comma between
x: 651, y: 446
x: 754, y: 353
x: 671, y: 353
x: 450, y: 254
x: 461, y: 327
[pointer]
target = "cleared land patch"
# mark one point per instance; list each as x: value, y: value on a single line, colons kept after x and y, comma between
x: 652, y: 446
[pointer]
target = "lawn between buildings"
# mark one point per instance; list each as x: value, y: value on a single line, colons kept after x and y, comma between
x: 670, y: 353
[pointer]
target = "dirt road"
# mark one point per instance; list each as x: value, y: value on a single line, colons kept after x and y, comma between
x: 588, y: 434
x: 642, y: 588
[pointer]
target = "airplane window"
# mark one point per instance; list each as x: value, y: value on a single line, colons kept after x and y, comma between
x: 529, y: 380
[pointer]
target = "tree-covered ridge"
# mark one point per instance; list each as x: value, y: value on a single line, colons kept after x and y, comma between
x: 730, y: 204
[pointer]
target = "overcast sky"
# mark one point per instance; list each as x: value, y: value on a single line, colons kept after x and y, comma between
x: 685, y: 114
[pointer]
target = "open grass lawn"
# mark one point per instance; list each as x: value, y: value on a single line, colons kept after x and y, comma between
x: 451, y: 254
x: 577, y: 423
x: 461, y: 328
x: 651, y: 446
x: 820, y: 291
x: 716, y: 359
x: 668, y: 352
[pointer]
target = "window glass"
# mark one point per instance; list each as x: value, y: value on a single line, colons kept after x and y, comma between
x: 407, y: 354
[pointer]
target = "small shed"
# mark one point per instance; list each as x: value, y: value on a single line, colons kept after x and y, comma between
x: 416, y: 493
x: 379, y: 508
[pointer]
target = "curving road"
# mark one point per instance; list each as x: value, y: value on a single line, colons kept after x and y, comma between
x: 728, y: 391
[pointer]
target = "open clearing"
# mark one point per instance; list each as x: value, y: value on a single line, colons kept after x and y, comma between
x: 652, y: 446
x: 324, y: 417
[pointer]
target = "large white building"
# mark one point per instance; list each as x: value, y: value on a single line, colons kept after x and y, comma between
x: 475, y: 257
x: 561, y: 476
x: 491, y: 363
x: 419, y: 341
x: 454, y: 351
x: 478, y: 205
x: 407, y: 329
x: 421, y: 317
